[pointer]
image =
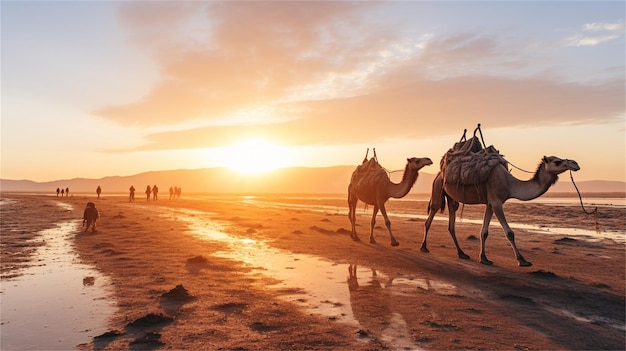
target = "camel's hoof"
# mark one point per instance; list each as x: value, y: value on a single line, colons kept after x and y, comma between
x: 424, y: 249
x: 525, y: 264
x: 395, y: 243
x: 355, y: 238
x: 464, y: 256
x: 486, y: 262
x: 372, y: 241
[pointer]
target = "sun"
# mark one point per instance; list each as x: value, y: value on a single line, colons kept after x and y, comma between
x: 254, y: 156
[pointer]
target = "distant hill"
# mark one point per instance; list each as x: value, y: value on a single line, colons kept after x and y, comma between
x: 286, y: 180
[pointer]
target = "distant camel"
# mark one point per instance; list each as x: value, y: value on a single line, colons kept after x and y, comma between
x: 370, y: 183
x: 499, y: 187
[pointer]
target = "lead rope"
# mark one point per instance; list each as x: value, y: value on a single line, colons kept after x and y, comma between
x: 594, y: 212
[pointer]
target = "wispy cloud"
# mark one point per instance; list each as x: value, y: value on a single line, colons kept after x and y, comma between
x: 320, y: 73
x: 257, y: 53
x: 596, y: 33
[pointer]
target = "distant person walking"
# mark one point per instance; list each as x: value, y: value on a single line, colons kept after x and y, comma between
x: 62, y: 192
x: 131, y: 194
x: 171, y: 192
x: 58, y: 191
x: 148, y: 191
x: 98, y: 191
x: 155, y: 193
x: 67, y: 191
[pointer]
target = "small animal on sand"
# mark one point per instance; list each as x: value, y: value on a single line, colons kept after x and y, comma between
x: 90, y: 217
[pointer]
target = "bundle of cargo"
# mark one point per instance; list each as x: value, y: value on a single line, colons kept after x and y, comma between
x: 469, y: 163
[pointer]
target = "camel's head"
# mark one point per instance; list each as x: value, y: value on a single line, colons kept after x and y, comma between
x: 418, y: 163
x: 556, y: 165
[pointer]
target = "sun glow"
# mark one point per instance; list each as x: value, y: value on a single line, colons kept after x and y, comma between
x: 254, y: 156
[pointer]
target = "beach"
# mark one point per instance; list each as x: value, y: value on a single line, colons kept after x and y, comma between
x: 280, y: 272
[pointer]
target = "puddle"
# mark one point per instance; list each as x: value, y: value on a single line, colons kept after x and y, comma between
x: 322, y: 287
x: 57, y: 304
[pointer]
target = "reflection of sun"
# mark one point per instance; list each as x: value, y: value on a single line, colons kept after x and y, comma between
x: 254, y: 156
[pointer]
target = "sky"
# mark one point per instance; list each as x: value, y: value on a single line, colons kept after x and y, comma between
x: 103, y: 88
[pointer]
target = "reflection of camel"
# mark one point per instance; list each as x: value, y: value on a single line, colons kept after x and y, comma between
x: 370, y: 183
x: 370, y: 304
x: 499, y: 187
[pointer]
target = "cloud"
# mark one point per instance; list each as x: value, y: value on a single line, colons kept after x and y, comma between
x: 598, y: 27
x: 257, y: 53
x: 604, y: 32
x: 318, y: 73
x: 420, y: 109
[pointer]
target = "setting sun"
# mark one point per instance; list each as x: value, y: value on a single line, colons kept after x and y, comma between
x: 254, y: 156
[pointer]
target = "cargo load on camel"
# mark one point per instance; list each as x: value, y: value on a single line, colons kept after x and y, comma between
x: 469, y: 163
x: 368, y: 174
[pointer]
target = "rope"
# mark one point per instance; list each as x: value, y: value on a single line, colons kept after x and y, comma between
x: 594, y: 212
x: 514, y: 166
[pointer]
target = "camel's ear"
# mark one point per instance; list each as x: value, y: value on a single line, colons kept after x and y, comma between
x: 545, y: 159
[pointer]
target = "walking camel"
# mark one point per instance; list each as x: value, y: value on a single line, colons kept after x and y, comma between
x: 370, y: 183
x: 499, y: 187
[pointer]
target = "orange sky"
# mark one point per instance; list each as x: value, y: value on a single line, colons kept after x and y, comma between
x: 119, y: 88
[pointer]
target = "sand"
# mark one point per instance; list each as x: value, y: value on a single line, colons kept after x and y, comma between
x: 175, y: 289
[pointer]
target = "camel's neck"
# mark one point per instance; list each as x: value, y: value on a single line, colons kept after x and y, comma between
x: 533, y: 188
x: 401, y: 189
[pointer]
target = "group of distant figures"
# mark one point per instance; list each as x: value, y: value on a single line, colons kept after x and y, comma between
x: 154, y: 191
x: 91, y: 214
x: 150, y: 192
x: 63, y: 192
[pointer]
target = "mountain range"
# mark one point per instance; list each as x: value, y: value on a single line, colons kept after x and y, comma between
x: 296, y: 180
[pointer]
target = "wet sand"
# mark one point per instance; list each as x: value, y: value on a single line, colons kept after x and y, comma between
x: 282, y: 273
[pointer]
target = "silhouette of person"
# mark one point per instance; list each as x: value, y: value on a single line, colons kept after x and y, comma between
x: 67, y: 191
x: 155, y: 193
x: 148, y: 191
x: 171, y: 192
x: 62, y: 192
x: 131, y: 194
x: 58, y: 191
x: 98, y: 191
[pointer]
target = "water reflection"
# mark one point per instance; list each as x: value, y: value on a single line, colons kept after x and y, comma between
x: 57, y: 304
x: 346, y: 293
x: 371, y: 303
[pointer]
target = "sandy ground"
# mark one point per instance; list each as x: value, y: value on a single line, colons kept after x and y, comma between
x: 571, y: 298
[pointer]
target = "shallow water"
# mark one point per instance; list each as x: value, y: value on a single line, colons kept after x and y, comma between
x: 320, y: 286
x: 590, y: 235
x: 56, y: 304
x: 339, y: 291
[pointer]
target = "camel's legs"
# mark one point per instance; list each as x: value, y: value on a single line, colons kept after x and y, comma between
x: 453, y: 206
x: 484, y: 233
x: 372, y: 224
x: 499, y: 211
x: 432, y: 211
x: 352, y: 216
x: 394, y: 242
x: 435, y: 204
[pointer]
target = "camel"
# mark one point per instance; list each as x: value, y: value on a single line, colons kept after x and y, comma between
x: 499, y: 187
x: 370, y: 183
